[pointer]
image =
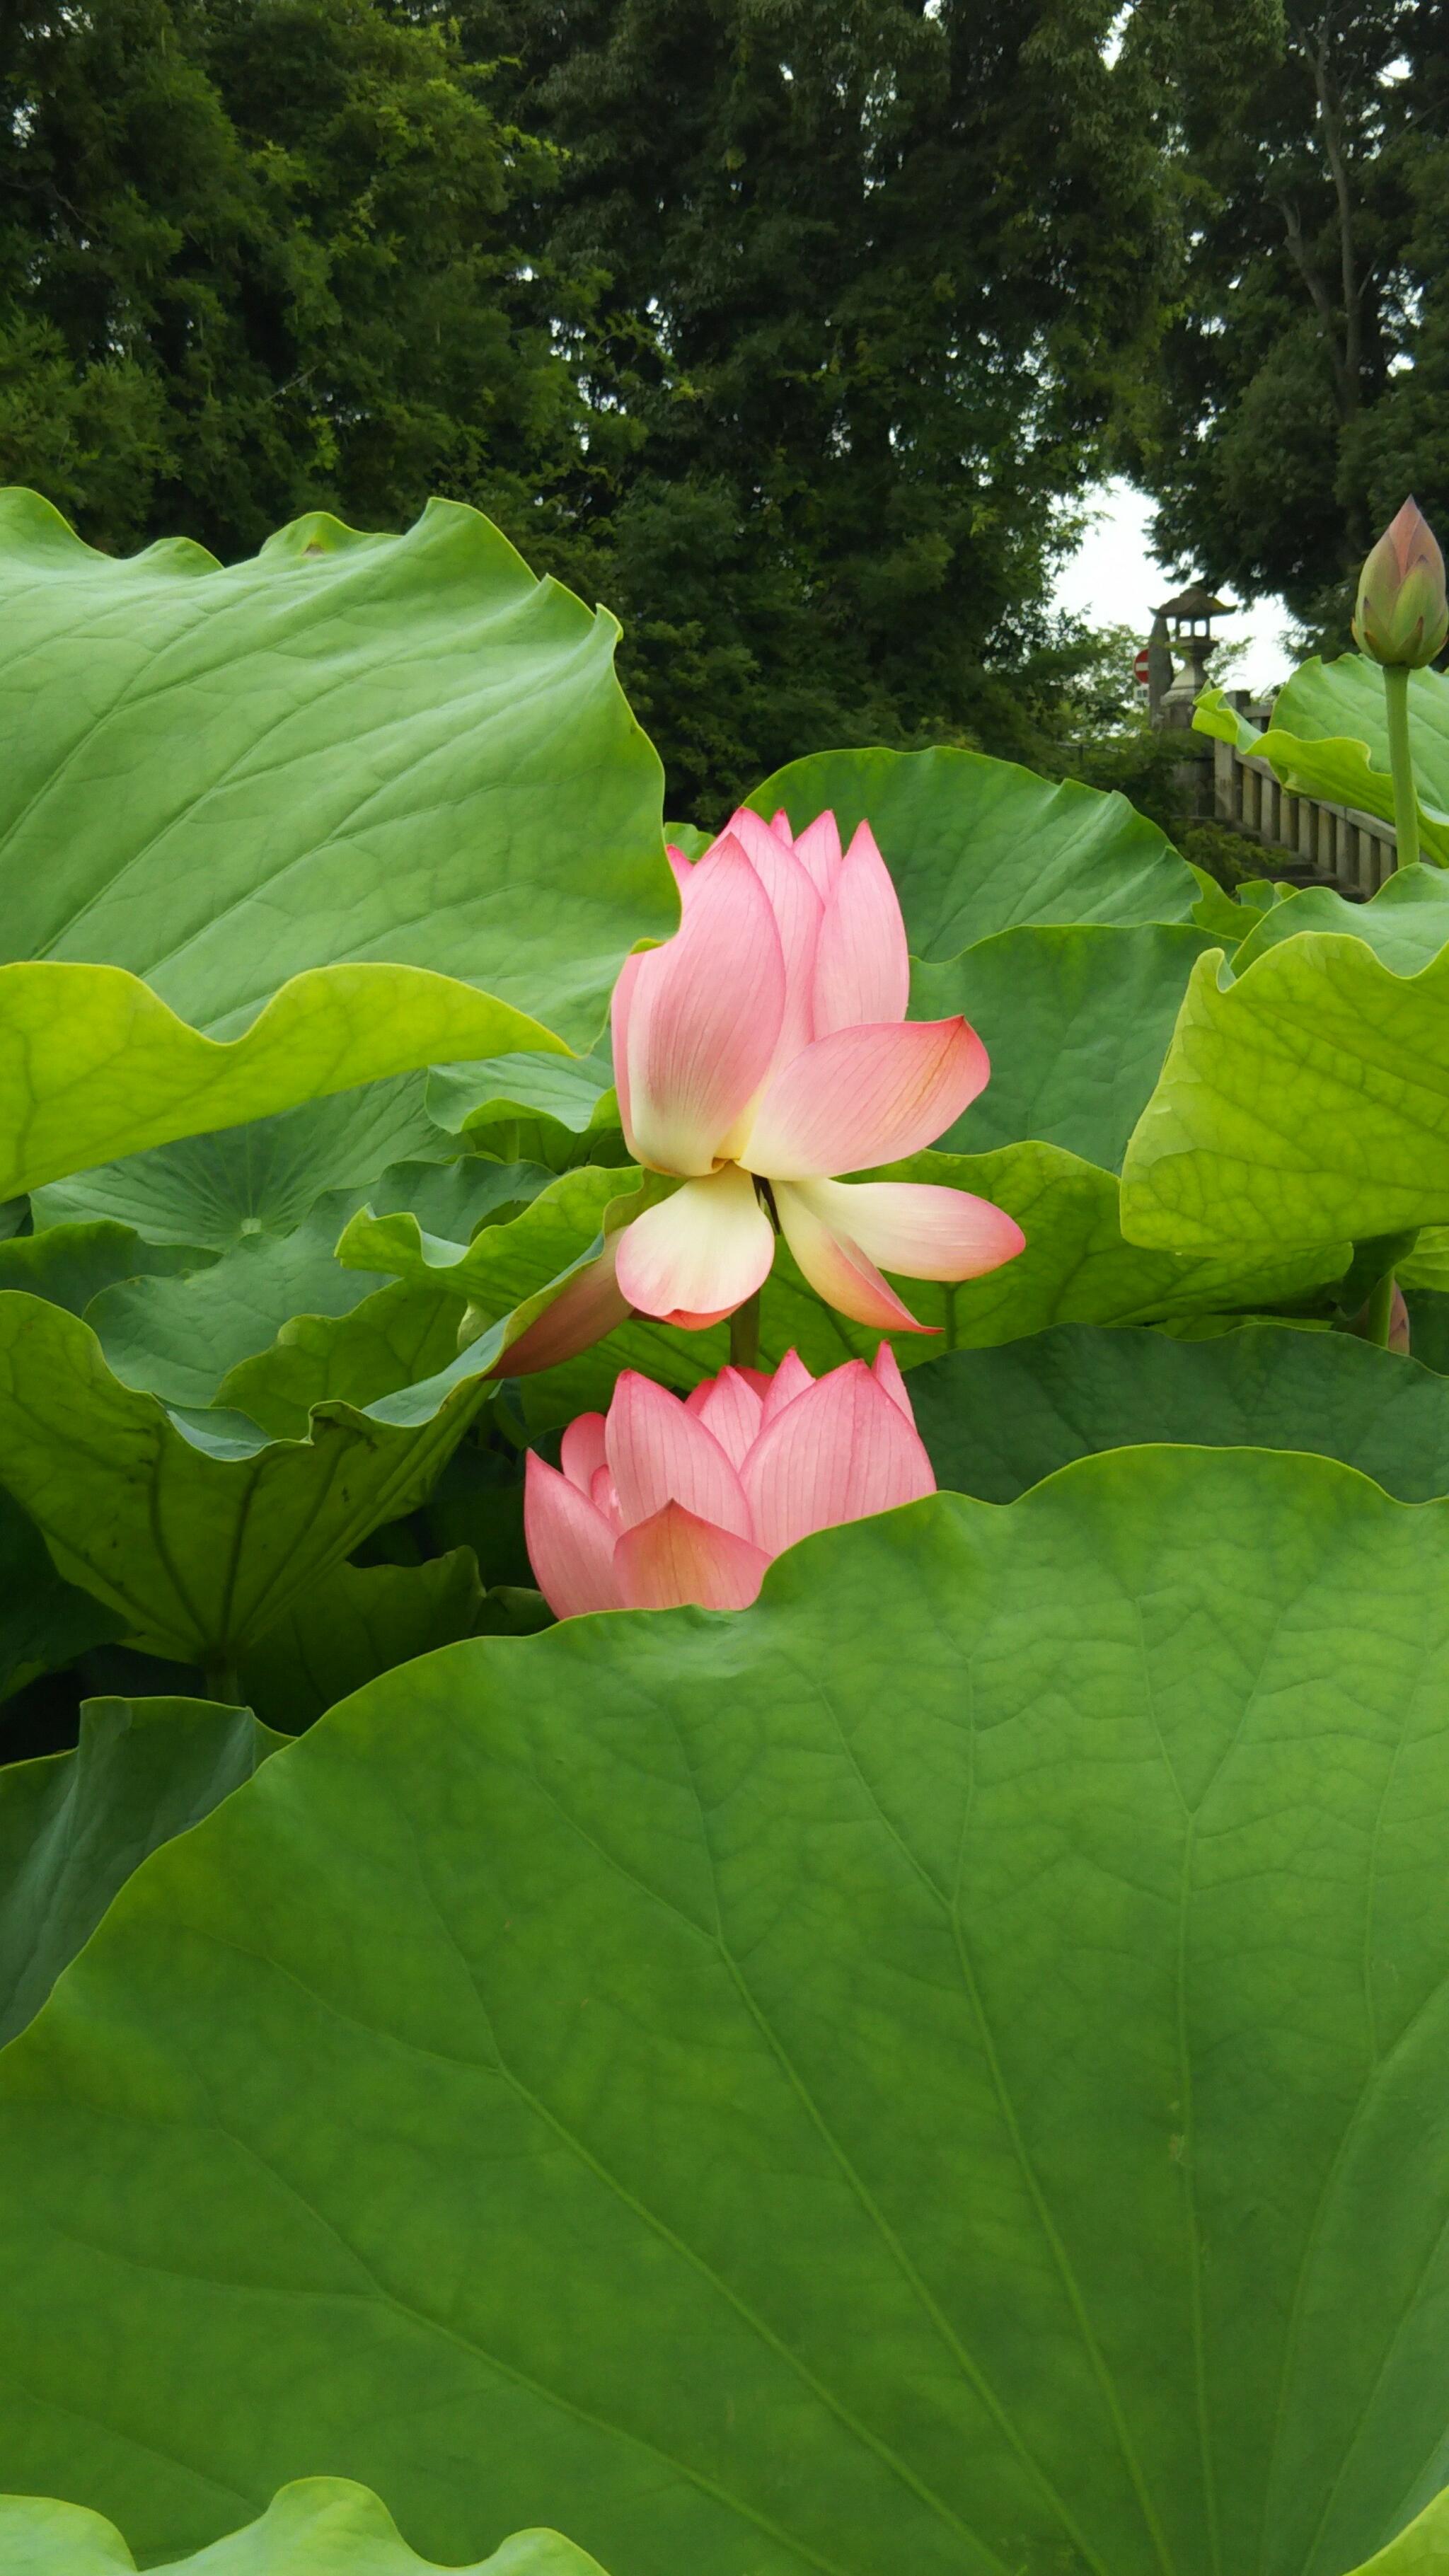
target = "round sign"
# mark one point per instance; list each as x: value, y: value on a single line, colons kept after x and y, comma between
x: 1142, y: 667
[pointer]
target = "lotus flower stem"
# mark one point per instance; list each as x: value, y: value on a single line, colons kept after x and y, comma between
x: 1401, y: 761
x: 1381, y: 1311
x: 745, y: 1334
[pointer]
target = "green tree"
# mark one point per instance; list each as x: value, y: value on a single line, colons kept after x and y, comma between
x: 1302, y: 383
x: 873, y: 273
x: 257, y: 256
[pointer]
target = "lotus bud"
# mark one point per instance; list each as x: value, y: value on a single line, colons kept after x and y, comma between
x: 663, y: 1501
x: 1402, y: 617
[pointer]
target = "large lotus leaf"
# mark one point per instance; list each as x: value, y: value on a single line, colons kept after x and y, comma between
x: 976, y: 845
x: 1422, y: 2550
x: 354, y: 1623
x: 1406, y: 923
x: 181, y: 1337
x: 1076, y: 1020
x: 70, y: 1265
x: 1329, y: 738
x: 178, y: 1338
x: 1347, y: 695
x: 262, y: 1178
x: 315, y: 2527
x: 351, y: 747
x: 997, y: 1421
x: 1303, y: 1100
x: 945, y: 2071
x: 560, y: 1109
x: 45, y: 1622
x: 1076, y: 1267
x: 1427, y: 1266
x: 94, y: 1066
x: 203, y: 1528
x: 1429, y: 1326
x: 73, y: 1826
x: 396, y: 1345
x: 1230, y: 917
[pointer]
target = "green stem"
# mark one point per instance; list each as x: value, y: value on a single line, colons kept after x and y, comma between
x: 745, y: 1334
x: 1401, y: 761
x: 222, y: 1682
x: 1381, y: 1311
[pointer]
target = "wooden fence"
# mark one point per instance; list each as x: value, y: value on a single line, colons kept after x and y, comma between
x: 1333, y: 843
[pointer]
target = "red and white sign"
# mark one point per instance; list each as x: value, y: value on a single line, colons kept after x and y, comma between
x: 1142, y: 667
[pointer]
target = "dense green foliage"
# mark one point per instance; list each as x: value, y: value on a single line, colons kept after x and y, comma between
x: 258, y: 255
x: 788, y: 332
x: 870, y: 274
x: 1301, y: 385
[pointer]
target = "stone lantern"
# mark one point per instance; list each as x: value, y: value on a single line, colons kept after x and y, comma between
x: 1189, y: 617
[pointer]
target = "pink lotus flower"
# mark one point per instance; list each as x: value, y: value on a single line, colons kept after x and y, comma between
x: 760, y: 1052
x: 662, y: 1502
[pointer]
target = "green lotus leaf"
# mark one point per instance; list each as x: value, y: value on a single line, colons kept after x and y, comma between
x: 181, y: 1337
x: 977, y: 845
x: 1305, y: 1099
x: 996, y: 1421
x: 261, y: 1178
x: 93, y: 1065
x: 1421, y: 2550
x: 69, y: 1265
x: 399, y: 1347
x: 1329, y: 738
x: 73, y: 1827
x: 689, y: 838
x: 354, y: 1623
x: 1230, y: 917
x: 1427, y: 1266
x: 202, y: 1528
x: 351, y: 747
x: 1406, y: 923
x: 45, y: 1622
x: 314, y: 2527
x: 1076, y: 1020
x: 943, y: 2071
x: 554, y: 1108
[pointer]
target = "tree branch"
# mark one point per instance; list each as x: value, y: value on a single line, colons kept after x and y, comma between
x: 1338, y: 169
x: 1322, y: 305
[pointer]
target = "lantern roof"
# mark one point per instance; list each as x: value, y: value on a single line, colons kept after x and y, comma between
x: 1196, y: 602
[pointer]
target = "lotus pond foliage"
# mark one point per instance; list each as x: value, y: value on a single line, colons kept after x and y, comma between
x: 724, y: 1646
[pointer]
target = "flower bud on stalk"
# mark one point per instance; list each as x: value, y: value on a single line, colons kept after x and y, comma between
x: 1402, y: 616
x: 1401, y: 622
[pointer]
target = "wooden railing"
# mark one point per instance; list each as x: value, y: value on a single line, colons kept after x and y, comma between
x: 1351, y: 850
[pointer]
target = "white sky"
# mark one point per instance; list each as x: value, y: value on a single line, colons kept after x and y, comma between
x: 1112, y: 580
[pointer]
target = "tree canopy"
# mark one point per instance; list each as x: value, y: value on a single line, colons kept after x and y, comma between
x: 793, y: 331
x: 256, y: 256
x: 872, y: 275
x: 1301, y: 384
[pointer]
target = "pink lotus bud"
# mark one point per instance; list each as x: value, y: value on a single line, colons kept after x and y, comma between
x: 1402, y: 617
x: 662, y: 1502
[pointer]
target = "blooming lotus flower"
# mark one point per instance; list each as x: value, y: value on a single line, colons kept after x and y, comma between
x: 766, y: 1047
x: 1402, y: 615
x: 662, y: 1502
